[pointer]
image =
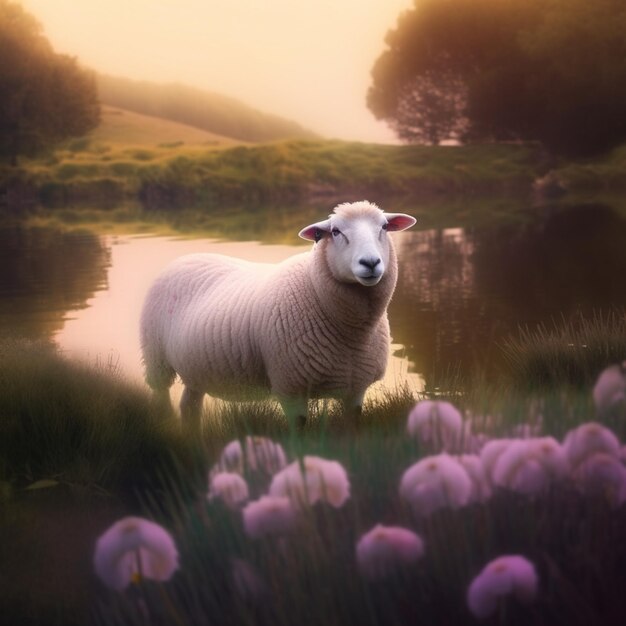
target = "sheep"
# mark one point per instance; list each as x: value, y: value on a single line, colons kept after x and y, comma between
x: 313, y: 326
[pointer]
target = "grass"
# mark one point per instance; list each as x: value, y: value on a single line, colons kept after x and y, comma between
x: 602, y: 174
x: 568, y: 352
x: 77, y: 427
x: 121, y: 127
x: 80, y: 449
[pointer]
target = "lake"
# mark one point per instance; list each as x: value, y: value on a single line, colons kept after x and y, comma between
x: 461, y: 289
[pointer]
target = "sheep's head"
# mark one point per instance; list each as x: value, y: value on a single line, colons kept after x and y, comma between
x: 358, y: 243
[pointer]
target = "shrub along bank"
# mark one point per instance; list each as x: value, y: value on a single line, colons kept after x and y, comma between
x: 174, y: 176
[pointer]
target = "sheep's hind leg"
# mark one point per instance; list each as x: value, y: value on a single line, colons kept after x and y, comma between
x: 159, y: 377
x: 191, y: 410
x: 295, y: 410
x: 353, y: 408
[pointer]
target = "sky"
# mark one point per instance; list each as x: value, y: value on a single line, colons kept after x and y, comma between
x: 306, y: 60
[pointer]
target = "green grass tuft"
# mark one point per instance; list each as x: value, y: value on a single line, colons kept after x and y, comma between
x: 80, y: 426
x: 570, y: 352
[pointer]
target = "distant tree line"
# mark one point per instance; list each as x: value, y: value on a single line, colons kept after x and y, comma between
x: 195, y: 107
x: 44, y: 97
x: 500, y: 70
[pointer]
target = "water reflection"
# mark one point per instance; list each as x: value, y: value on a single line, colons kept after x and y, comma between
x: 462, y: 290
x: 43, y: 274
x: 434, y: 303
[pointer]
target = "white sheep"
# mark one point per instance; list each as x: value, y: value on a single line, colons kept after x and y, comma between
x: 313, y: 326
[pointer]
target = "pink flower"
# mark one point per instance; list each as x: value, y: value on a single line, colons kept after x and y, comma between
x: 314, y: 480
x: 258, y: 454
x: 436, y: 424
x: 436, y: 482
x: 231, y: 459
x: 587, y: 439
x: 507, y: 575
x: 270, y: 515
x: 386, y: 548
x: 229, y: 487
x: 529, y: 466
x: 264, y: 455
x: 132, y: 549
x: 490, y: 453
x: 603, y: 475
x: 481, y: 489
x: 610, y: 388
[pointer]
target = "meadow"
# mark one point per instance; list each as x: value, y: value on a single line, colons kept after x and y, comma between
x: 82, y: 449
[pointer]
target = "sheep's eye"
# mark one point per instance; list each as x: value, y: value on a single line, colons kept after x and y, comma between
x: 335, y: 232
x: 385, y: 226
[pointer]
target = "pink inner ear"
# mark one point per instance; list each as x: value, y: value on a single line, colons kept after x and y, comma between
x: 399, y: 221
x: 309, y: 232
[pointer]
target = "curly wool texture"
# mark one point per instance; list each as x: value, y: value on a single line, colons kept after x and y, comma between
x: 225, y: 325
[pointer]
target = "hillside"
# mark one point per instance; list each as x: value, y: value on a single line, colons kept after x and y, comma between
x: 194, y: 107
x: 121, y: 127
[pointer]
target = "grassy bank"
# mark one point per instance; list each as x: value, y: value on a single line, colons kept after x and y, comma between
x: 167, y: 165
x: 175, y: 175
x: 80, y: 449
x: 602, y: 175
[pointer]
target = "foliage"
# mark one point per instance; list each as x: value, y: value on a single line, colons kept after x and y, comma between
x: 46, y: 97
x: 194, y: 107
x: 551, y: 71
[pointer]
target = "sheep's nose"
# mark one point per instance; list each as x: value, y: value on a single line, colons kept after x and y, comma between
x: 370, y: 263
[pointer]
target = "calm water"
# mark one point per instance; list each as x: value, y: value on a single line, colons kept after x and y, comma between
x: 460, y: 290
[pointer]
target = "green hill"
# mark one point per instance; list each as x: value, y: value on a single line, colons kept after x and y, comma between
x: 119, y: 127
x: 194, y: 107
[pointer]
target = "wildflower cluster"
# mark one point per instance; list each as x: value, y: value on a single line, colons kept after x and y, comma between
x: 272, y: 498
x: 590, y: 456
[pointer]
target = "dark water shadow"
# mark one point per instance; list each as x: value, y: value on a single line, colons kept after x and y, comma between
x: 461, y: 291
x: 44, y: 273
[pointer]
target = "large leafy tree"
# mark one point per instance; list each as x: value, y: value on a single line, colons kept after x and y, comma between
x: 44, y: 97
x: 546, y: 70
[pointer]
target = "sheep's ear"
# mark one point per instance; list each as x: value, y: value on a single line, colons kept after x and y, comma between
x: 316, y: 231
x: 399, y: 221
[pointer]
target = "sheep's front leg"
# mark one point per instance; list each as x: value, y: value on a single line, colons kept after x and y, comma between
x: 191, y: 410
x: 295, y: 410
x: 353, y: 408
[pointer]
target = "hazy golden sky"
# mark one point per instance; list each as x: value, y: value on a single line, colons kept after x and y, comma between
x: 308, y: 60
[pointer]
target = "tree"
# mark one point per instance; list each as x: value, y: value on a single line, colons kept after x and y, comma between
x: 44, y: 97
x: 431, y: 108
x: 484, y: 70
